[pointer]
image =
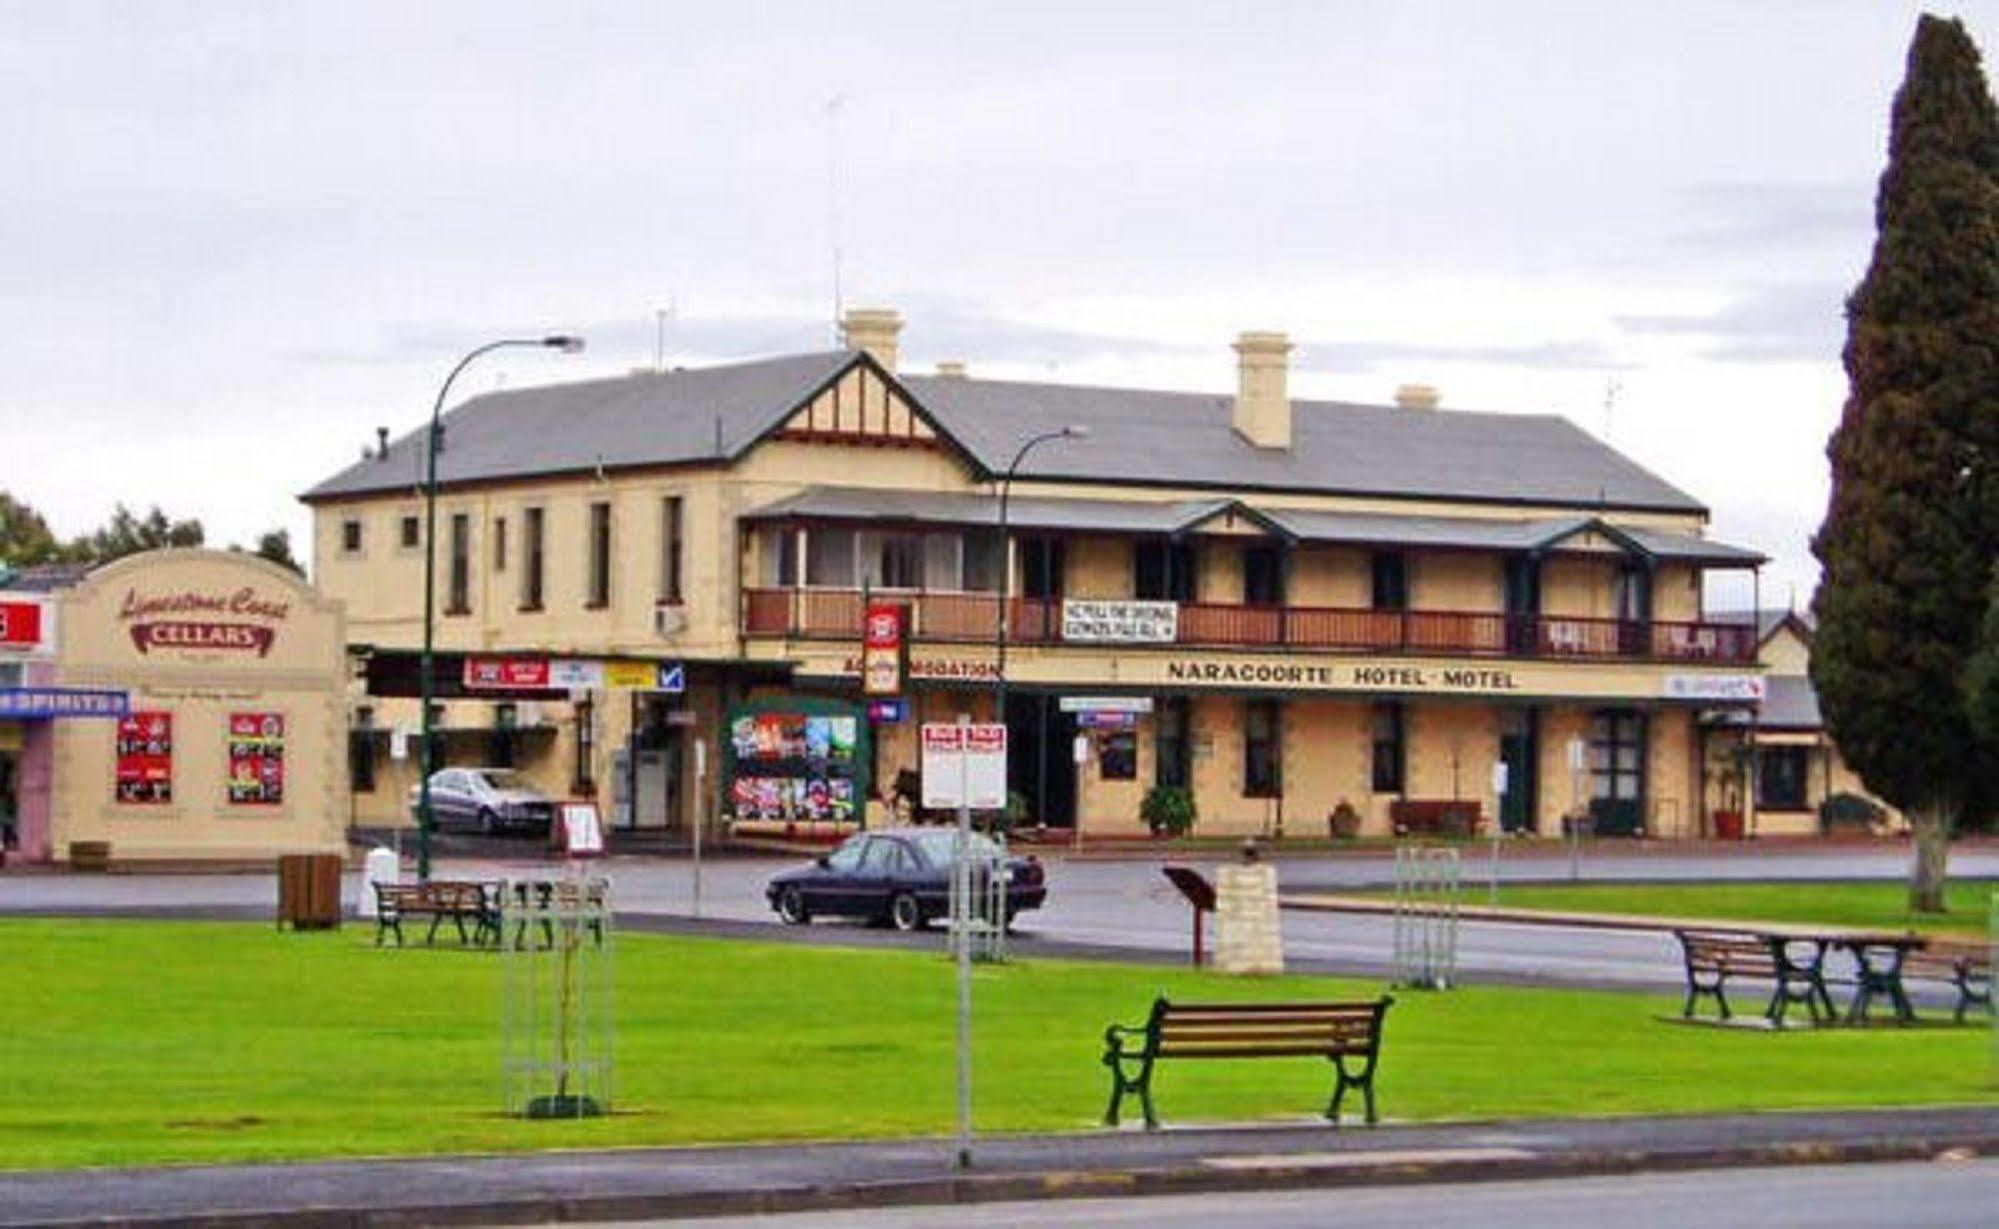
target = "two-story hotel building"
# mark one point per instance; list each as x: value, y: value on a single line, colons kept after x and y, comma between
x: 1322, y: 602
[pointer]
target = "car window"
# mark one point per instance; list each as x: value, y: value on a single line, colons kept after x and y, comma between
x: 882, y: 856
x: 499, y: 778
x: 937, y: 847
x: 848, y: 855
x: 448, y: 779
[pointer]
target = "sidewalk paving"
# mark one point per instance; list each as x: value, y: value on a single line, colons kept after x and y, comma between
x: 679, y: 1182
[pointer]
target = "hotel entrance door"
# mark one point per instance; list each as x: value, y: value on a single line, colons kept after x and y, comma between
x: 1518, y: 749
x: 1617, y: 771
x: 1040, y: 758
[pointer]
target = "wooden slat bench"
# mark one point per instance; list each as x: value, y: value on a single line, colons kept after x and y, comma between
x: 439, y: 899
x: 1713, y: 957
x: 1965, y: 964
x: 1434, y: 817
x: 1338, y: 1032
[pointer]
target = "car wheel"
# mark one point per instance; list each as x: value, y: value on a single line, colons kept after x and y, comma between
x: 791, y: 907
x: 905, y: 914
x: 488, y: 822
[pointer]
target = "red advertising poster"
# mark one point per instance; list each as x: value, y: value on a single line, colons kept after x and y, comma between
x: 882, y: 650
x: 504, y: 673
x: 145, y: 758
x: 20, y: 625
x: 256, y: 759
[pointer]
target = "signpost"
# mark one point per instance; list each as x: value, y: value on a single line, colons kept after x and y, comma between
x: 964, y: 766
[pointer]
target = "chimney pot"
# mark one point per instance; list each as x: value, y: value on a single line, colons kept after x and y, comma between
x: 1418, y: 397
x: 952, y: 368
x: 1262, y: 409
x: 872, y: 330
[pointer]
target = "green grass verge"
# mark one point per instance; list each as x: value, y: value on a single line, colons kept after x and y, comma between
x: 131, y: 1043
x: 1858, y: 906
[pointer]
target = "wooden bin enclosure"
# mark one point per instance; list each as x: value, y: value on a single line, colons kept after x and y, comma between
x: 309, y: 891
x: 91, y: 857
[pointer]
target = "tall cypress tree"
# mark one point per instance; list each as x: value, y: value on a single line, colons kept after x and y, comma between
x: 1913, y: 523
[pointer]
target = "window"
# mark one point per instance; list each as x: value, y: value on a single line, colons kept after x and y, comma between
x: 848, y: 856
x: 1171, y: 742
x: 670, y: 528
x: 1041, y: 567
x: 1780, y: 777
x: 412, y: 532
x: 350, y: 536
x: 361, y: 751
x: 531, y: 558
x: 983, y: 560
x: 879, y: 858
x: 1389, y: 749
x: 1391, y: 581
x: 778, y: 550
x: 1262, y: 576
x: 499, y: 544
x: 891, y: 560
x: 943, y: 561
x: 1262, y: 748
x: 599, y: 595
x: 829, y: 558
x: 1163, y: 571
x: 1117, y: 755
x: 586, y: 747
x: 459, y: 599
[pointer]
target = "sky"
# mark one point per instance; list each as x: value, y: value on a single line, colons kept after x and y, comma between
x: 239, y: 237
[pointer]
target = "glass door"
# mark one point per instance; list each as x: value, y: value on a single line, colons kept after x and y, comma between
x: 1617, y: 772
x: 1519, y: 742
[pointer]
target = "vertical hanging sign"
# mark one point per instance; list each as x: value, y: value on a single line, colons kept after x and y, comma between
x: 883, y: 645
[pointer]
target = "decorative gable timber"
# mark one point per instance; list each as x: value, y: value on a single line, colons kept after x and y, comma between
x: 861, y: 406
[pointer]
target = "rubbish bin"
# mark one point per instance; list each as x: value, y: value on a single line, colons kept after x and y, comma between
x: 309, y: 891
x: 380, y: 866
x: 90, y: 857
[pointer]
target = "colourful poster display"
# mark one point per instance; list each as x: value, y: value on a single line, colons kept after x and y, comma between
x: 795, y: 763
x: 256, y: 759
x: 145, y: 759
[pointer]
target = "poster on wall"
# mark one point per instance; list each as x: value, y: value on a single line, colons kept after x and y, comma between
x: 145, y: 758
x: 256, y: 759
x: 792, y: 764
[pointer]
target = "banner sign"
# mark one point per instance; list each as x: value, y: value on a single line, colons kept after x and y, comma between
x: 1747, y: 688
x: 203, y: 622
x: 1095, y: 622
x: 38, y: 702
x: 1097, y: 719
x: 201, y: 637
x: 888, y: 712
x: 573, y: 674
x: 882, y: 663
x: 1106, y: 704
x: 506, y: 673
x: 256, y: 759
x: 22, y: 625
x: 964, y: 765
x: 631, y: 675
x: 145, y: 763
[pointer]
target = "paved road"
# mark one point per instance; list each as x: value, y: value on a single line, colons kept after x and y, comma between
x: 1919, y: 1195
x: 1121, y: 905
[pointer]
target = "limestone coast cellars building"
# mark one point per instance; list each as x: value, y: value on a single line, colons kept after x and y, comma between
x: 653, y: 591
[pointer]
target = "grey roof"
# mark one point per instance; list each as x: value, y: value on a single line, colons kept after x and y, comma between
x: 1139, y: 437
x: 1123, y: 516
x: 1767, y: 619
x: 1186, y: 440
x: 44, y: 577
x: 644, y: 419
x: 1790, y: 702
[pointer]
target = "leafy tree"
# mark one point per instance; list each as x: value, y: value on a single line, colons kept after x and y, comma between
x: 1913, y: 522
x: 125, y: 534
x: 276, y: 546
x: 25, y: 538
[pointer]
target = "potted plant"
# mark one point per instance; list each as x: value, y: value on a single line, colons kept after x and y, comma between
x: 1343, y: 822
x: 1168, y: 810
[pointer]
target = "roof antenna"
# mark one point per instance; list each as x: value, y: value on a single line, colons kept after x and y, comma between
x: 381, y: 443
x: 833, y: 106
x: 660, y: 316
x: 1611, y: 388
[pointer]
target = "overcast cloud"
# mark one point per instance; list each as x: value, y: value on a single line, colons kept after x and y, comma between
x: 240, y: 236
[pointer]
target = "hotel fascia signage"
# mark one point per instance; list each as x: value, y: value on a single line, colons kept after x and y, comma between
x: 238, y: 621
x: 1103, y: 622
x: 26, y: 626
x: 1343, y: 676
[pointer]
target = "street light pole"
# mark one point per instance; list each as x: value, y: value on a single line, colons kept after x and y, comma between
x: 424, y: 818
x: 1072, y: 432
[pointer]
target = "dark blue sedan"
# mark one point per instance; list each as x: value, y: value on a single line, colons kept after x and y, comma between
x: 901, y: 878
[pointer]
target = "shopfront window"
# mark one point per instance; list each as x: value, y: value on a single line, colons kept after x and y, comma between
x: 1262, y: 748
x: 1171, y: 762
x: 1781, y: 775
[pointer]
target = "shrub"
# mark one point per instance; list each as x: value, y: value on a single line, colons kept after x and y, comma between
x: 1169, y: 810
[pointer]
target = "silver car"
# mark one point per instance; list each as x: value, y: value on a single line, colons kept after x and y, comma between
x: 487, y: 800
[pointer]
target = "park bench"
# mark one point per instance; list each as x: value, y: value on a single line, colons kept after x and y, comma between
x: 1441, y: 817
x: 1714, y: 957
x: 438, y: 899
x: 1967, y: 965
x: 1338, y: 1032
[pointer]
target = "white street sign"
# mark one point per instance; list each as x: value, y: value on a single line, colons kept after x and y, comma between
x: 964, y: 766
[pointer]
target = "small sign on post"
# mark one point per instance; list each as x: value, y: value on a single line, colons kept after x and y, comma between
x: 582, y: 833
x: 964, y: 766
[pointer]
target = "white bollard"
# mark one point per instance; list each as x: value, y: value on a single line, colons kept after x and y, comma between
x: 380, y: 866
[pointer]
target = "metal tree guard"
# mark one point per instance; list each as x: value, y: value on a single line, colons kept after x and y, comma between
x: 979, y: 883
x: 1427, y: 882
x: 557, y: 1023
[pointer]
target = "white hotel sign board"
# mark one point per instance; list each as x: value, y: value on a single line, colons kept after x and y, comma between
x: 1741, y: 687
x: 1095, y: 622
x: 964, y: 766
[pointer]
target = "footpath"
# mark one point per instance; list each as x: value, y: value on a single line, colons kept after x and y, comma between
x: 629, y: 1184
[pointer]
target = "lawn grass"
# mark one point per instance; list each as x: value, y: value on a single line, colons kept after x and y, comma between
x: 143, y: 1042
x: 1857, y: 906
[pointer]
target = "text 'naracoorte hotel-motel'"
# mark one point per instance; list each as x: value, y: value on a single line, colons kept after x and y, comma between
x: 1361, y: 603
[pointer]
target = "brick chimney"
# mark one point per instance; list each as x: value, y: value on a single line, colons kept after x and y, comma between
x: 1418, y: 396
x: 952, y: 368
x: 874, y: 330
x: 1262, y: 410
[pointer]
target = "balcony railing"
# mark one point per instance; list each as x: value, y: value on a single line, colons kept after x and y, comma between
x: 968, y: 618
